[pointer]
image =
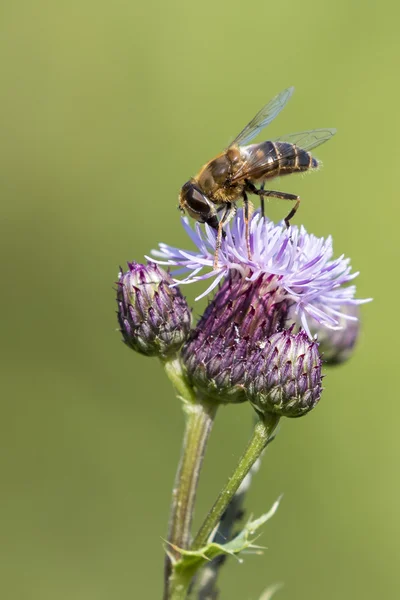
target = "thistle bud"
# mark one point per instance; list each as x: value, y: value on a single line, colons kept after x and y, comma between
x: 241, y: 314
x: 284, y: 375
x: 154, y: 318
x: 215, y: 363
x: 337, y: 345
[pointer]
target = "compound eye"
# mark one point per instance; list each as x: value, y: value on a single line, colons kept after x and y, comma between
x: 196, y: 203
x: 196, y: 200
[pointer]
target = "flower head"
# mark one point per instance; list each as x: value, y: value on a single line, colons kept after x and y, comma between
x: 302, y: 264
x: 337, y: 346
x: 284, y: 375
x: 154, y: 317
x: 241, y: 315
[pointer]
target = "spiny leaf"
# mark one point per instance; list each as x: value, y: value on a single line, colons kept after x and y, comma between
x: 192, y: 560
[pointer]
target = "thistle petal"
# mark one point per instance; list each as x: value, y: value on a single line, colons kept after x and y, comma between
x: 316, y: 283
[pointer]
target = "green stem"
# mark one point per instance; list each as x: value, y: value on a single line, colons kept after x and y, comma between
x: 199, y: 420
x: 179, y: 584
x: 261, y: 434
x: 176, y: 375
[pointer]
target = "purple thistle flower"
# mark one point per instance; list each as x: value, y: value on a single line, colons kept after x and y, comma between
x: 284, y: 376
x: 153, y: 316
x: 302, y: 263
x: 238, y: 320
x: 336, y: 346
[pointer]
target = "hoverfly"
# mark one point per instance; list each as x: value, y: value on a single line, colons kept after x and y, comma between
x: 232, y: 175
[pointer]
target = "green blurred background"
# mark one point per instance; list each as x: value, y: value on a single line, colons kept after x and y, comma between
x: 106, y: 108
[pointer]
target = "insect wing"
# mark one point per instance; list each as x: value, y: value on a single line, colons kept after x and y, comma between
x: 263, y: 118
x: 307, y: 140
x: 257, y: 160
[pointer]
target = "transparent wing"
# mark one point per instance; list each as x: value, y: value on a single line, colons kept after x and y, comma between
x: 307, y: 140
x: 260, y: 156
x: 263, y: 118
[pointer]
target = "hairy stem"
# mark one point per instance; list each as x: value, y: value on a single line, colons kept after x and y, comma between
x: 261, y: 434
x: 199, y: 420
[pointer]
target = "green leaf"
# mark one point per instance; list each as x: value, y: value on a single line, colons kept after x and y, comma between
x: 191, y: 560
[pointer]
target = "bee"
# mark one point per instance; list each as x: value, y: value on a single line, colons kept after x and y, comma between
x: 234, y: 173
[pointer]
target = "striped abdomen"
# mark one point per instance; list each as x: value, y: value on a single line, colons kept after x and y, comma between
x: 282, y: 158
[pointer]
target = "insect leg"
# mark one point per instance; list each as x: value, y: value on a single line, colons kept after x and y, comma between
x: 262, y: 199
x: 248, y: 210
x: 292, y: 212
x: 229, y: 212
x: 275, y: 194
x: 284, y: 196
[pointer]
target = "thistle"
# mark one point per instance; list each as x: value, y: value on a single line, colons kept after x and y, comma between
x: 284, y: 375
x: 241, y: 315
x: 316, y: 284
x: 154, y: 318
x: 272, y: 322
x: 337, y: 345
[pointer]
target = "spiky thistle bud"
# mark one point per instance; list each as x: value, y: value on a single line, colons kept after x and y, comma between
x: 337, y: 345
x: 154, y: 318
x: 241, y: 314
x: 284, y: 375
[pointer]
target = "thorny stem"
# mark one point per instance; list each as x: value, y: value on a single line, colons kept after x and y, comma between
x: 199, y: 420
x: 261, y: 434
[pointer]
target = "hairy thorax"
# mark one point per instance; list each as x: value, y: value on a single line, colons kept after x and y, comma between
x: 215, y: 177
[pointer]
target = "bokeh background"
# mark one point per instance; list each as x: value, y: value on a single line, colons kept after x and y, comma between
x: 106, y: 108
